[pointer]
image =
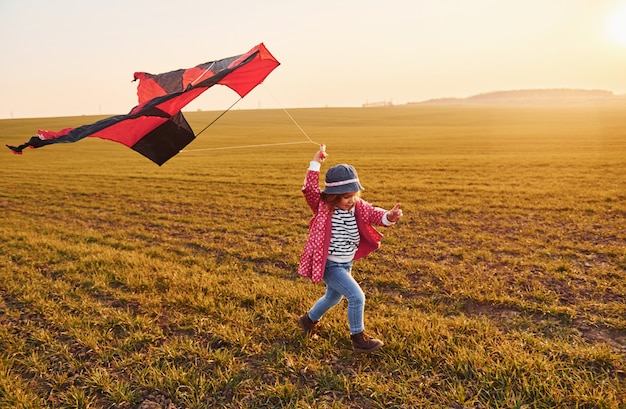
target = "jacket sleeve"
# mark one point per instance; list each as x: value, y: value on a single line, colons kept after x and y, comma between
x: 311, y: 189
x: 373, y: 215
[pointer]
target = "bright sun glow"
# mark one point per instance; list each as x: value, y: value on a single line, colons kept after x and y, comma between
x: 616, y: 25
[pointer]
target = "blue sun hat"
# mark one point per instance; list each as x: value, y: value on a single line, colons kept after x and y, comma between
x: 341, y: 179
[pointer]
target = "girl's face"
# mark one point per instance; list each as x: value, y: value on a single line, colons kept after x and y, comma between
x: 347, y: 200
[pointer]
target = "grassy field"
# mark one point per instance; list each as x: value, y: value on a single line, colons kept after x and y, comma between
x: 128, y: 285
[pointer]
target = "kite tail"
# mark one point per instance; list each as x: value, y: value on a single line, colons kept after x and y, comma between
x: 34, y: 142
x: 17, y: 149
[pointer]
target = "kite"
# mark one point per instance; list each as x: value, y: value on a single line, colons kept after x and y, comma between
x: 156, y: 128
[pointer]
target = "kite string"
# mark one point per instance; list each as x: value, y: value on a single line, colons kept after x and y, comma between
x: 309, y: 140
x: 289, y: 115
x: 243, y: 146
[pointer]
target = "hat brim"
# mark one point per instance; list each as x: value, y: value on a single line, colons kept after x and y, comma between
x: 340, y: 190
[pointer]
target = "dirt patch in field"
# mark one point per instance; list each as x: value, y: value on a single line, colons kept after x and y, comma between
x: 499, y: 314
x: 157, y: 401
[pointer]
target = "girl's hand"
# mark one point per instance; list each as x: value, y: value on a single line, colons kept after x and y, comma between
x: 321, y: 155
x: 394, y: 214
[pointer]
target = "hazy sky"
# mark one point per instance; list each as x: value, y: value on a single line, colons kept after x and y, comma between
x: 75, y: 57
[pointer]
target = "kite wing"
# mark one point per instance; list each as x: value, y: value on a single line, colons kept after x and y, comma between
x: 156, y: 128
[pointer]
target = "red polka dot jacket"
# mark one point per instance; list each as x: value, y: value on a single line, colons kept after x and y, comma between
x: 313, y: 259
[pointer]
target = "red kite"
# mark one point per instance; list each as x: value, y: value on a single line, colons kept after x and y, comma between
x: 156, y: 128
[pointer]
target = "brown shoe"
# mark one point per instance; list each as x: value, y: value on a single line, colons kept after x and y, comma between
x: 361, y: 343
x: 307, y: 324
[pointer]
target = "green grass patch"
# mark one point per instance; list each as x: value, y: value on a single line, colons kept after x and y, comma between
x: 504, y: 286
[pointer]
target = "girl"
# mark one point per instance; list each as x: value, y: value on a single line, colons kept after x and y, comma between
x: 340, y: 231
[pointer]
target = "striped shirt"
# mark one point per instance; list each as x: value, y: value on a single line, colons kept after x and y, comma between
x: 344, y: 240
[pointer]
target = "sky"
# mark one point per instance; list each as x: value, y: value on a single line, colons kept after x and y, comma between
x: 76, y: 57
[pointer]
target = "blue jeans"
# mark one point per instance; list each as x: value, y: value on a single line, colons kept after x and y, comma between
x: 340, y: 283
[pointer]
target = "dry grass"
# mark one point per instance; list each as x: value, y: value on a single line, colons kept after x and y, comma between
x: 503, y: 287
